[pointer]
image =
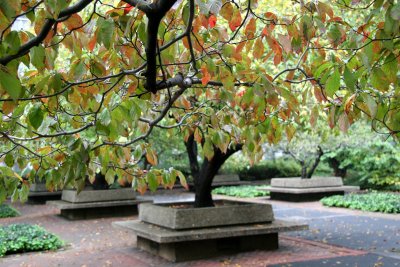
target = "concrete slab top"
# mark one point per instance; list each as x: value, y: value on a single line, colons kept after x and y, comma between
x: 306, y: 183
x: 69, y: 206
x: 313, y: 189
x: 99, y: 195
x: 164, y: 235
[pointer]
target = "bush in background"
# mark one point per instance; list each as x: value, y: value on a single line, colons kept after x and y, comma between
x: 282, y: 167
x: 17, y: 238
x: 7, y: 211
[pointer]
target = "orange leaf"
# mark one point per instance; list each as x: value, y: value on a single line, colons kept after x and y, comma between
x: 8, y: 107
x: 74, y: 22
x: 349, y: 103
x: 206, y: 75
x: 236, y: 20
x: 92, y: 43
x: 250, y: 28
x: 258, y: 49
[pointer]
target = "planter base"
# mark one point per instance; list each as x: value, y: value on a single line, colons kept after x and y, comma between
x: 303, y: 197
x: 38, y: 194
x: 194, y: 250
x: 207, y: 242
x: 37, y: 197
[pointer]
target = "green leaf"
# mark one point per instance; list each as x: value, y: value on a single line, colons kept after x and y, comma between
x: 390, y: 68
x: 395, y: 12
x: 36, y: 116
x: 13, y: 42
x: 10, y: 83
x: 152, y: 181
x: 208, y: 149
x: 110, y: 176
x: 322, y: 68
x: 7, y: 9
x: 105, y: 32
x: 349, y: 79
x: 142, y: 33
x: 105, y: 117
x: 37, y: 55
x: 9, y: 160
x: 333, y: 83
x: 371, y: 104
x: 379, y: 80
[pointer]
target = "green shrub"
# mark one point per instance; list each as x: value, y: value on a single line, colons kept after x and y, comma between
x: 282, y: 167
x: 7, y: 211
x: 373, y: 201
x: 16, y: 238
x: 243, y: 191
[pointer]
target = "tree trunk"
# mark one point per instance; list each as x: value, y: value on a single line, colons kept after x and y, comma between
x: 316, y: 162
x: 203, y: 177
x: 191, y: 148
x: 338, y: 172
x: 208, y: 170
x: 303, y: 170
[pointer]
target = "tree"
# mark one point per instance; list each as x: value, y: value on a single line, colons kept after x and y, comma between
x: 99, y: 76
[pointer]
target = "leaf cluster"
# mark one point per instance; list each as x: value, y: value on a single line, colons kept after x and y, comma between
x: 242, y: 191
x: 371, y: 201
x: 16, y: 238
x: 7, y: 211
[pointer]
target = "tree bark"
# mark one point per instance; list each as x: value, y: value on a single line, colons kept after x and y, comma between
x: 209, y: 169
x: 316, y: 162
x: 191, y: 148
x: 334, y: 164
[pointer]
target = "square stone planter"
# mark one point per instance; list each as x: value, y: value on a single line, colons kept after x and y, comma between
x: 178, y: 232
x: 297, y: 182
x: 297, y: 189
x: 91, y: 195
x: 91, y: 203
x: 184, y: 216
x: 38, y: 194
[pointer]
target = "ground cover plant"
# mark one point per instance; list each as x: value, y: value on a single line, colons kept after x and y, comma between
x: 372, y: 201
x: 7, y: 211
x: 243, y: 191
x: 17, y: 238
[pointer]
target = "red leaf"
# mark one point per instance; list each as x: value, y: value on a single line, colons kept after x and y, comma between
x: 128, y: 8
x: 212, y: 21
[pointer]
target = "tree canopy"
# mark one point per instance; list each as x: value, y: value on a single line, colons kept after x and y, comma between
x: 86, y: 84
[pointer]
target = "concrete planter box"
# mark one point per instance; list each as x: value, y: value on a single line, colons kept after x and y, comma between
x: 98, y: 195
x: 226, y: 214
x: 297, y: 189
x: 307, y: 183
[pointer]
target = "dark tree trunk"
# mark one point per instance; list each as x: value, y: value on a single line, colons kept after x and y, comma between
x: 191, y: 148
x: 99, y: 182
x: 316, y: 162
x: 204, y: 176
x: 208, y: 170
x: 334, y: 164
x: 303, y: 170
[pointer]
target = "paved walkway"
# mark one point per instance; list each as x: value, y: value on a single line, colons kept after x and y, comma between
x: 337, y: 237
